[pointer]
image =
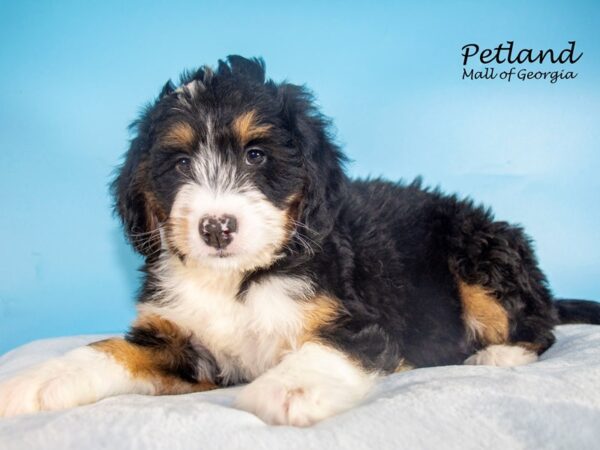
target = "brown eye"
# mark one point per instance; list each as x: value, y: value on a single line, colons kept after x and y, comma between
x: 255, y: 156
x: 183, y: 164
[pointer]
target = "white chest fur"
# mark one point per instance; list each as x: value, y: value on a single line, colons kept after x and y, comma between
x: 246, y: 337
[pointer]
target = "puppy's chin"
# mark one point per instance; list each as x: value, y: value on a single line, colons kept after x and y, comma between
x: 229, y: 261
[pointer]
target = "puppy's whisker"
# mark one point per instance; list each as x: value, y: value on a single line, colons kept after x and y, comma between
x: 307, y: 240
x: 303, y: 225
x: 146, y: 233
x: 148, y: 240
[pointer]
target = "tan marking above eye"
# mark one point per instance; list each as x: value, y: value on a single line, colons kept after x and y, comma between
x: 179, y: 135
x: 247, y: 127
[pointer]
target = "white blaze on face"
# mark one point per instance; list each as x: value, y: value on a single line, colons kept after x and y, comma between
x: 216, y: 190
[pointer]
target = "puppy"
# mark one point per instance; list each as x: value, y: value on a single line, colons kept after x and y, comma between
x: 265, y: 264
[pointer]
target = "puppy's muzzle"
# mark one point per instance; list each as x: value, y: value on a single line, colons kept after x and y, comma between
x: 218, y: 232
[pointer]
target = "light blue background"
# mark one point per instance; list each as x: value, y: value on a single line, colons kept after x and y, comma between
x: 74, y: 74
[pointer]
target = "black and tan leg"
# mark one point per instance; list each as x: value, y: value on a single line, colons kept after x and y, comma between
x: 508, y: 310
x: 155, y: 359
x: 488, y: 325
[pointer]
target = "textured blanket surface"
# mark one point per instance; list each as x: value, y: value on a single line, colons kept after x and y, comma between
x: 553, y: 403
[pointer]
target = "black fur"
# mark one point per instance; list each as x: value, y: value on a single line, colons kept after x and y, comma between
x: 578, y: 311
x: 392, y: 253
x: 398, y: 258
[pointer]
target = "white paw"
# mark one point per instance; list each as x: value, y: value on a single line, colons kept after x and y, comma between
x: 308, y: 386
x: 502, y: 356
x: 278, y: 404
x: 81, y: 376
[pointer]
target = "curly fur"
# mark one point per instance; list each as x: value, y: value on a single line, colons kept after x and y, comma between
x: 393, y: 253
x: 316, y: 285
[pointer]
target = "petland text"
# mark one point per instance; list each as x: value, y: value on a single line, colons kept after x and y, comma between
x: 506, y: 53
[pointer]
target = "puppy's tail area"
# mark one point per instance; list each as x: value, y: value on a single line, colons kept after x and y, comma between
x: 578, y: 311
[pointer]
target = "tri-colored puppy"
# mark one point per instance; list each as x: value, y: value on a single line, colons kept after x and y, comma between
x: 267, y: 265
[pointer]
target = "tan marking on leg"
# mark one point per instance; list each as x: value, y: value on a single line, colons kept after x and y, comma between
x: 319, y: 312
x: 180, y: 135
x: 247, y: 128
x: 153, y: 364
x: 483, y: 315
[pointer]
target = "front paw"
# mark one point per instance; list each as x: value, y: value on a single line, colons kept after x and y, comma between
x: 309, y: 385
x: 278, y: 404
x: 71, y: 380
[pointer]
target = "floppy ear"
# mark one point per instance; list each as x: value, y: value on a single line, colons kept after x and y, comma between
x: 132, y: 197
x: 325, y: 180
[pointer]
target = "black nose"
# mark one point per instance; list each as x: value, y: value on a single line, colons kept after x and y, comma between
x: 218, y: 231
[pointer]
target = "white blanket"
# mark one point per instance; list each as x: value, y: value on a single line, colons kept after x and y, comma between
x: 554, y: 403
